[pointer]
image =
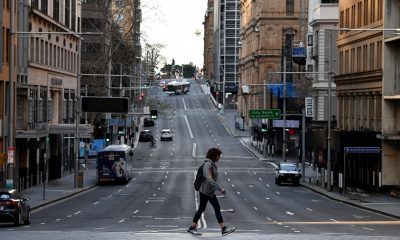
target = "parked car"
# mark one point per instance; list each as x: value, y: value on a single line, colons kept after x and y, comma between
x: 287, y: 173
x: 14, y: 207
x: 148, y: 122
x: 166, y: 134
x: 145, y: 136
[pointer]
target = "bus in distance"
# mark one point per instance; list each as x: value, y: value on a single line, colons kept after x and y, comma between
x: 178, y: 87
x: 114, y: 164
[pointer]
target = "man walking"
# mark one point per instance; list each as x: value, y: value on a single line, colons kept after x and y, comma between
x: 207, y: 193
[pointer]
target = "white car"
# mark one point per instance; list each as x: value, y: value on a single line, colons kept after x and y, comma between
x: 166, y: 134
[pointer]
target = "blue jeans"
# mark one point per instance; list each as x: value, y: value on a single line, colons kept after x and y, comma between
x: 203, y: 204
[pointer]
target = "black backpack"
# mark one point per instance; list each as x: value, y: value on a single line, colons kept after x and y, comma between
x: 199, y: 178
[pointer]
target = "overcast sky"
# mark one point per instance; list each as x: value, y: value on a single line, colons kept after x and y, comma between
x: 174, y: 23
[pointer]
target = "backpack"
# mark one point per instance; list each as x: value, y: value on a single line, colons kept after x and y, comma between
x: 199, y: 178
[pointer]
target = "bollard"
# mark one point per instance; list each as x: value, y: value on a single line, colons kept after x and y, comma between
x: 80, y: 180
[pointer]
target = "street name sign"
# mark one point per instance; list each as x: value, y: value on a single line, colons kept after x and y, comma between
x: 265, y: 113
x: 362, y: 150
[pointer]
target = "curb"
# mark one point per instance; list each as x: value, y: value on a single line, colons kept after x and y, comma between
x: 349, y: 203
x: 40, y: 205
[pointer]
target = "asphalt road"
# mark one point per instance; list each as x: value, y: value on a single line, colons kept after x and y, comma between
x: 160, y: 199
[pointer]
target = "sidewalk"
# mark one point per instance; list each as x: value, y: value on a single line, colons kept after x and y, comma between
x: 376, y: 202
x: 61, y: 188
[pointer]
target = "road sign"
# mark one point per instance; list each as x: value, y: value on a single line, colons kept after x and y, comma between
x: 265, y: 113
x: 309, y: 106
x: 362, y: 150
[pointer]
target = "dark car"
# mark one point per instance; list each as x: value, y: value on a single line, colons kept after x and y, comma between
x: 14, y: 207
x: 145, y: 136
x: 287, y: 173
x: 148, y: 122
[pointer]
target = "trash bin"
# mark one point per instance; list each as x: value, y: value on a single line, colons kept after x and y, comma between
x: 80, y: 179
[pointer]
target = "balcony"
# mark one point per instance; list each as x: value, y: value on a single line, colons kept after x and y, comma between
x: 325, y: 12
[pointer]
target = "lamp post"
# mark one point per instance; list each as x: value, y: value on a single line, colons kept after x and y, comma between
x: 10, y: 167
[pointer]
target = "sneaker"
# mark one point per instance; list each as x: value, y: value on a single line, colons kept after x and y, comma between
x: 194, y: 232
x: 227, y: 230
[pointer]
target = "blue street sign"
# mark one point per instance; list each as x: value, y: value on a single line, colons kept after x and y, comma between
x: 362, y: 150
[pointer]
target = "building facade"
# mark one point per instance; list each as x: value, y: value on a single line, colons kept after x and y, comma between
x: 390, y: 125
x: 226, y: 51
x: 4, y: 88
x: 359, y: 97
x: 46, y: 95
x: 270, y: 30
x: 208, y: 68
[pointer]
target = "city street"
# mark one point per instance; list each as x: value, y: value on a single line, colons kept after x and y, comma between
x: 159, y: 202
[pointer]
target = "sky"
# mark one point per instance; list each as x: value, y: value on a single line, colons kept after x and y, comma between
x: 174, y: 23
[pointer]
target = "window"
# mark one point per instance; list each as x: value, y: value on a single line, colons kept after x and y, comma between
x: 365, y: 13
x: 67, y: 13
x: 290, y: 7
x: 43, y: 6
x: 56, y: 10
x: 373, y: 11
x: 372, y: 56
x: 35, y: 4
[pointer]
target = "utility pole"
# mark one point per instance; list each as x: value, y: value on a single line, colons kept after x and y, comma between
x: 11, y: 179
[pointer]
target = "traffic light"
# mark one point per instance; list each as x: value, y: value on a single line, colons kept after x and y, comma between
x: 264, y: 128
x: 153, y: 114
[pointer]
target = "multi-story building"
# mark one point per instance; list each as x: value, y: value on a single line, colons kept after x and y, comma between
x: 359, y: 89
x: 47, y: 90
x: 322, y: 64
x: 270, y: 30
x: 5, y: 126
x: 226, y: 50
x: 209, y: 43
x: 390, y: 126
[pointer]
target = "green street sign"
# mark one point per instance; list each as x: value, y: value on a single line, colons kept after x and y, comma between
x: 265, y: 113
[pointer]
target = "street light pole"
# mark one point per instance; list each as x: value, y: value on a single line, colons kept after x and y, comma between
x: 329, y: 177
x: 284, y: 111
x: 77, y: 112
x: 10, y: 178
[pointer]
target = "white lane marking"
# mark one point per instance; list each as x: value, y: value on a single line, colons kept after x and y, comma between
x: 209, y: 131
x: 267, y: 198
x: 154, y: 195
x: 162, y: 183
x: 166, y: 177
x: 184, y: 104
x: 119, y: 190
x: 147, y: 201
x: 333, y: 220
x: 267, y: 185
x: 233, y: 185
x: 135, y: 211
x: 226, y: 173
x: 159, y: 189
x: 251, y: 186
x: 95, y: 203
x: 289, y: 213
x: 229, y: 179
x: 369, y: 229
x: 309, y: 209
x: 255, y: 208
x: 58, y: 219
x: 134, y: 179
x: 194, y: 150
x: 197, y: 206
x: 77, y: 212
x: 238, y: 192
x: 68, y: 216
x: 260, y: 179
x: 42, y: 223
x: 121, y: 221
x: 269, y: 219
x: 278, y: 193
x: 188, y: 126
